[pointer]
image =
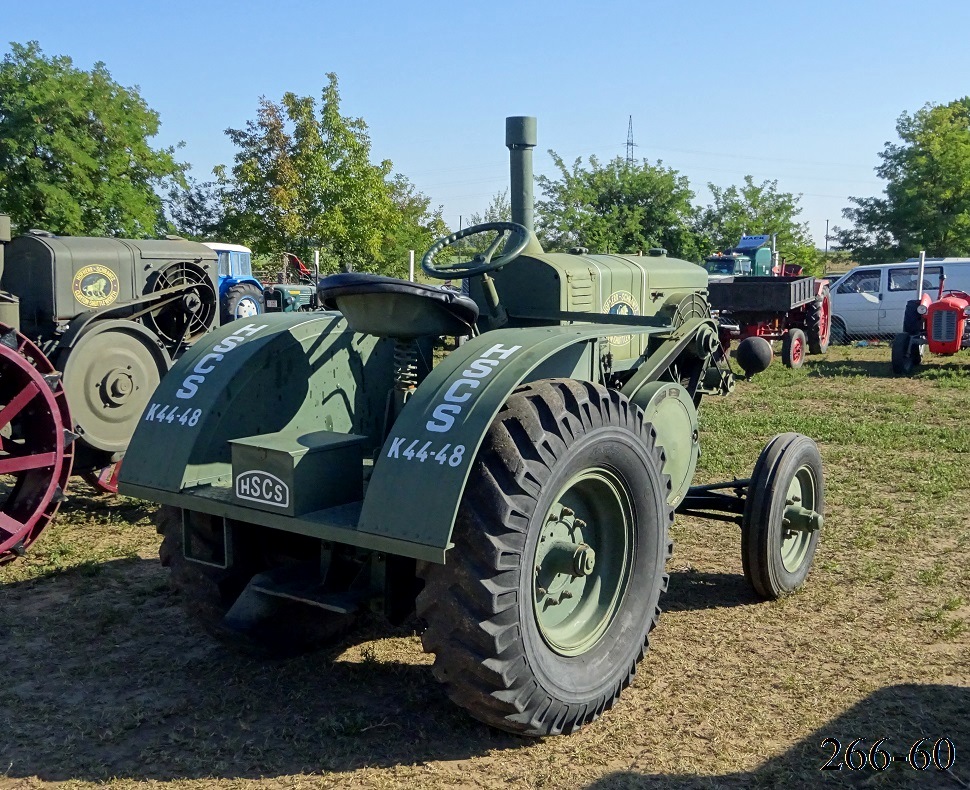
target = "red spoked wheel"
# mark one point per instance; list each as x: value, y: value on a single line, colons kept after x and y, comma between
x: 36, y: 449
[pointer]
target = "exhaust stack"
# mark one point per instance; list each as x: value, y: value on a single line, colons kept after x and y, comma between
x: 520, y: 137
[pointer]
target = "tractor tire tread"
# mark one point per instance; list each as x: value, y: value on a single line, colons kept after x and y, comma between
x: 471, y: 605
x: 813, y: 323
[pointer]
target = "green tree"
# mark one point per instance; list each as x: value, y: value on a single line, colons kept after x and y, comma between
x: 926, y: 203
x: 303, y: 179
x: 499, y: 210
x: 416, y: 226
x: 196, y: 210
x: 757, y: 209
x: 75, y: 156
x: 617, y: 207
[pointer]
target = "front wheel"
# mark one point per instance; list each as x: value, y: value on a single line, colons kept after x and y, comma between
x: 243, y: 300
x: 839, y: 335
x: 793, y: 348
x: 782, y: 515
x: 907, y: 354
x: 547, y: 599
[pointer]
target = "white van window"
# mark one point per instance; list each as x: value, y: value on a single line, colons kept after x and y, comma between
x: 905, y: 279
x: 860, y: 283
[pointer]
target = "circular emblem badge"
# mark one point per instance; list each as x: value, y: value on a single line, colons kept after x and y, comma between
x: 95, y: 286
x: 621, y: 303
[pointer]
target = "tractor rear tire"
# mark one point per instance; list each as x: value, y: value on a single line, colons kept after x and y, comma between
x: 208, y: 592
x: 528, y: 637
x: 775, y: 555
x: 793, y: 348
x: 243, y: 300
x: 906, y: 355
x: 818, y: 322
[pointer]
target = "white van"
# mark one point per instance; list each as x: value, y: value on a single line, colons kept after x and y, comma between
x: 870, y: 301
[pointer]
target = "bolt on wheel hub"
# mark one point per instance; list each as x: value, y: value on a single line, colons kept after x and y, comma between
x: 800, y: 520
x: 117, y: 386
x: 583, y: 559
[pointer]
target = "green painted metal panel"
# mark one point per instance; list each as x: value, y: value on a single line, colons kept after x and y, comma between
x: 295, y: 472
x: 536, y: 286
x: 298, y: 372
x: 420, y: 474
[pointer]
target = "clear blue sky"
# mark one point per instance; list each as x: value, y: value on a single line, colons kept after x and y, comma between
x: 805, y: 93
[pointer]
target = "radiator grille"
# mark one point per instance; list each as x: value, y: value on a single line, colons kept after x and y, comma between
x: 944, y: 329
x: 580, y: 296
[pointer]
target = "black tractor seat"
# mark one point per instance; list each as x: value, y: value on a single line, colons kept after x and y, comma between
x: 389, y: 307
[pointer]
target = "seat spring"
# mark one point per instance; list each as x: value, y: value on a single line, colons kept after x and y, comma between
x: 405, y: 365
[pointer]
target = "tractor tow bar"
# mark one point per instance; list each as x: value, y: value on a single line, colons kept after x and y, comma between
x: 709, y: 501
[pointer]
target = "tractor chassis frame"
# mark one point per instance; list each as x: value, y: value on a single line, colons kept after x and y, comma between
x: 711, y: 501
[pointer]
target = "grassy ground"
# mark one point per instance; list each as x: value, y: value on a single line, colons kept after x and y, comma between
x: 104, y: 682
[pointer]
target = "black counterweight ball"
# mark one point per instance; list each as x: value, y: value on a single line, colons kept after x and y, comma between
x: 753, y: 355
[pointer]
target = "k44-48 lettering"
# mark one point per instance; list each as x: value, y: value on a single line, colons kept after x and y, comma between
x: 425, y: 451
x: 162, y: 412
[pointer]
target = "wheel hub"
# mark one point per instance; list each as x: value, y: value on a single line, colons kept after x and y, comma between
x: 116, y: 386
x: 800, y: 520
x: 109, y: 376
x: 583, y: 559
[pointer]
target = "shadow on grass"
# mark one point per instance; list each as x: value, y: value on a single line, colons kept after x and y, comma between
x: 104, y: 677
x: 826, y: 368
x: 694, y: 590
x: 902, y: 714
x: 829, y: 368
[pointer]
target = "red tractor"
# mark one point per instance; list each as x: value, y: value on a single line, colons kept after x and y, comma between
x: 939, y: 323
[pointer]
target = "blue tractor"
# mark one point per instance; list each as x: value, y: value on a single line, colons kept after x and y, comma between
x: 240, y: 294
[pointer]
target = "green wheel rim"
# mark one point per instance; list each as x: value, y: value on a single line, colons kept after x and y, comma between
x: 583, y: 561
x: 796, y: 540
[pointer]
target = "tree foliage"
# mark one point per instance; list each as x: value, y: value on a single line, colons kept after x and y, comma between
x: 926, y: 203
x: 303, y: 180
x: 196, y: 210
x: 757, y: 209
x: 617, y: 207
x: 499, y: 210
x: 75, y: 156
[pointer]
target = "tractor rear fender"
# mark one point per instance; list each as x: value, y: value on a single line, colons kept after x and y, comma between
x: 420, y: 475
x: 271, y: 373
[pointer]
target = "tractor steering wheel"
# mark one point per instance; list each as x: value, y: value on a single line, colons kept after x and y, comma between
x: 518, y: 237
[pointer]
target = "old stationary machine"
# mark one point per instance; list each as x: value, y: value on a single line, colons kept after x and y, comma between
x: 88, y: 327
x: 516, y: 493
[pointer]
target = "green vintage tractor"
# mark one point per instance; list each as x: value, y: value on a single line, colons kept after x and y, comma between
x: 516, y: 493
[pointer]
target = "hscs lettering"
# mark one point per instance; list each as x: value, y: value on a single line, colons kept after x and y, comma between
x: 461, y: 390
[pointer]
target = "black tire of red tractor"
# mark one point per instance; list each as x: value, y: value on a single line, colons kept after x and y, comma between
x: 839, y: 335
x: 819, y: 336
x: 236, y: 294
x: 793, y: 347
x: 762, y: 524
x: 906, y: 355
x: 481, y: 623
x: 208, y: 592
